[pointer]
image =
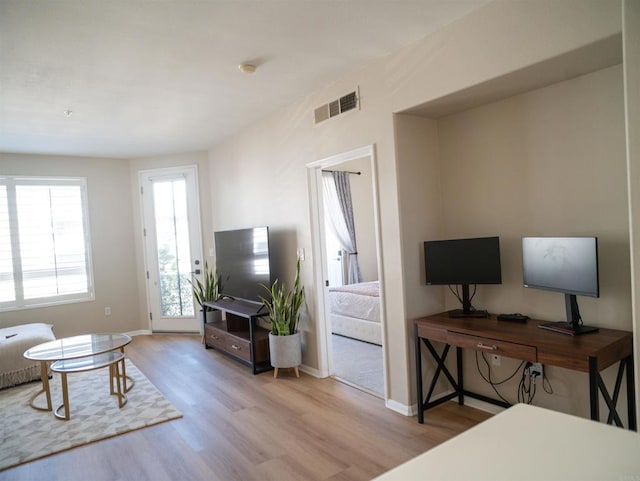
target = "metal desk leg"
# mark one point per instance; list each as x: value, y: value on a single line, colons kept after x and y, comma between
x: 419, y: 375
x: 460, y: 378
x: 597, y: 386
x: 631, y: 395
x: 593, y: 388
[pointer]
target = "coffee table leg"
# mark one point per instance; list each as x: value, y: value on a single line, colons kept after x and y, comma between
x: 65, y: 400
x: 44, y: 375
x: 122, y: 400
x: 114, y: 374
x: 125, y: 377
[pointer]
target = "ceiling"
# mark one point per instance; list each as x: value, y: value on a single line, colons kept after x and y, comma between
x: 144, y: 78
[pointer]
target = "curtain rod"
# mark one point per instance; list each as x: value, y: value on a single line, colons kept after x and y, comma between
x: 348, y: 172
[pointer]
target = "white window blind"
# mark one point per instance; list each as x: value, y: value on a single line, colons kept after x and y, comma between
x: 44, y: 242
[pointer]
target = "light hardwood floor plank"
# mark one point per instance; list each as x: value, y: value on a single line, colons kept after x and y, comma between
x: 238, y: 426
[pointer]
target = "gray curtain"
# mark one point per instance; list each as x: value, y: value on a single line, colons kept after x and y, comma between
x: 343, y: 189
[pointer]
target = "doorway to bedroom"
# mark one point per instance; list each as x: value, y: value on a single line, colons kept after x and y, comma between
x: 348, y: 250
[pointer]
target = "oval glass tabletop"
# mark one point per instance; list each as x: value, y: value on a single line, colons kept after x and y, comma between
x: 87, y: 363
x: 77, y: 346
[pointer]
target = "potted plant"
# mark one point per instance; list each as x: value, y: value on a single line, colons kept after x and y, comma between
x: 285, y: 346
x: 210, y: 289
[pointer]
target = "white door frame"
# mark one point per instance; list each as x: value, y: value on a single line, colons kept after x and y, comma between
x: 195, y: 227
x: 314, y: 179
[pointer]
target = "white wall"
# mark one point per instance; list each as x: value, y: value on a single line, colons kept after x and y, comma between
x: 550, y: 162
x: 631, y: 42
x: 116, y: 232
x: 258, y: 175
x: 112, y: 243
x: 547, y: 163
x: 199, y: 159
x: 419, y: 182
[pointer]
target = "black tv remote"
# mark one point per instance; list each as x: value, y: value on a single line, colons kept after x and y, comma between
x: 517, y: 317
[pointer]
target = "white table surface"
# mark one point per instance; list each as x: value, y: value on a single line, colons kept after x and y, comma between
x: 528, y: 443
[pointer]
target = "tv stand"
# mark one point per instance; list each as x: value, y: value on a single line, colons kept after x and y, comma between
x: 238, y: 334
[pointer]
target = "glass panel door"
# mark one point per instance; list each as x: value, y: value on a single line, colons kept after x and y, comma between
x: 172, y: 246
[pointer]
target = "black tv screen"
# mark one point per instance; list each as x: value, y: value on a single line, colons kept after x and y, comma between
x: 562, y: 264
x: 463, y: 261
x: 242, y: 260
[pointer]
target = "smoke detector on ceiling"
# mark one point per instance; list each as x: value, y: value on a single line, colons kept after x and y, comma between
x: 247, y: 68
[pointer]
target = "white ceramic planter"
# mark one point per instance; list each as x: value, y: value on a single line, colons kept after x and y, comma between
x: 213, y: 316
x: 285, y: 351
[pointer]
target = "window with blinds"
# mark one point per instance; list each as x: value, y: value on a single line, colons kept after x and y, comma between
x: 45, y: 255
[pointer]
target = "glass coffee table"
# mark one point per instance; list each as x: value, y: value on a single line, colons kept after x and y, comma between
x: 74, y: 348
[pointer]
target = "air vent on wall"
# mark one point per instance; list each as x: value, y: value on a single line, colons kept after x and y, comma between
x: 336, y: 107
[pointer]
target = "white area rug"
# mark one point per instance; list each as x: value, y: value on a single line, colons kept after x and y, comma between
x: 358, y: 362
x: 27, y: 434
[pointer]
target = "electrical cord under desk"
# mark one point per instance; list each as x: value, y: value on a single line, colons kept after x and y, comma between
x: 526, y: 390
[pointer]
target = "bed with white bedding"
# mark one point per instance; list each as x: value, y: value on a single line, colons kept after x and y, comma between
x: 355, y: 311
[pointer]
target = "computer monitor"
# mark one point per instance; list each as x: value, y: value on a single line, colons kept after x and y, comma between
x: 568, y: 265
x: 463, y: 262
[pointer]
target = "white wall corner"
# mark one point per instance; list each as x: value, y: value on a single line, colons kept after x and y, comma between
x: 401, y: 408
x: 313, y: 371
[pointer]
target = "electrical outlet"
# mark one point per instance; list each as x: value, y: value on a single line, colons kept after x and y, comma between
x: 495, y: 359
x: 107, y: 311
x: 536, y: 369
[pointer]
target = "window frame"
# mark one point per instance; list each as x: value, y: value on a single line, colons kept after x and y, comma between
x: 19, y: 303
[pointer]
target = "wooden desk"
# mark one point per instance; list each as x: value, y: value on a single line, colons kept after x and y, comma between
x: 529, y: 443
x: 590, y: 353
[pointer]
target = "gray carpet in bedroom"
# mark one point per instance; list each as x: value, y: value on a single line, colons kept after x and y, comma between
x: 358, y: 362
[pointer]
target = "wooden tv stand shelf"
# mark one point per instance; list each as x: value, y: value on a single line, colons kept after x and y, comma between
x: 590, y: 353
x: 238, y: 335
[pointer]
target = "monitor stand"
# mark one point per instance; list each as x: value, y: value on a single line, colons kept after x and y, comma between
x: 467, y: 310
x: 565, y: 328
x: 573, y: 326
x: 462, y: 313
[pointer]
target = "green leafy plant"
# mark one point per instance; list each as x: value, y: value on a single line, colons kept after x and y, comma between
x: 210, y: 288
x: 284, y: 306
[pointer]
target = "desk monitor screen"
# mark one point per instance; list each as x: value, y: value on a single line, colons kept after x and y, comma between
x: 463, y: 262
x: 563, y: 264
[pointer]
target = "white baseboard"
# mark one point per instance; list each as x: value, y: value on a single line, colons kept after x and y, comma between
x: 481, y: 405
x: 141, y: 332
x: 401, y: 408
x: 313, y: 371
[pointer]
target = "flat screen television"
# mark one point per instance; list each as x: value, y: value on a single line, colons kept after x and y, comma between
x: 242, y: 261
x: 568, y: 265
x: 463, y: 262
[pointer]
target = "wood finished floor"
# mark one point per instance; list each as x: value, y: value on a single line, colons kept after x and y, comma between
x: 237, y: 426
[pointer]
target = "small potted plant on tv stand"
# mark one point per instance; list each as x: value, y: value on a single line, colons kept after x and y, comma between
x: 209, y: 289
x: 285, y: 347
